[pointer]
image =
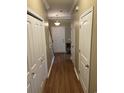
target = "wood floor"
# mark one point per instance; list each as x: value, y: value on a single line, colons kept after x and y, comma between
x: 62, y: 78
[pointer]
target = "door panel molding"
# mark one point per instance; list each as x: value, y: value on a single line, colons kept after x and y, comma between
x: 86, y: 12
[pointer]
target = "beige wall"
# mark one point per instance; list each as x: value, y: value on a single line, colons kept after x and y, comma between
x: 83, y: 6
x: 38, y: 7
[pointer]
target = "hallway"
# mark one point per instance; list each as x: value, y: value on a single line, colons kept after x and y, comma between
x: 61, y: 46
x: 62, y: 78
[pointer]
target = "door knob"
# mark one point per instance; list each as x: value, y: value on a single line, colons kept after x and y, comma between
x: 87, y: 66
x: 33, y: 75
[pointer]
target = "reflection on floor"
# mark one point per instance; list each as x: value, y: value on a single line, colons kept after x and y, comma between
x: 62, y: 78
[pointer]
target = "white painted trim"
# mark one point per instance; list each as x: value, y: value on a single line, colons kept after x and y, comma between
x: 86, y: 12
x: 76, y: 73
x: 31, y: 11
x: 51, y: 66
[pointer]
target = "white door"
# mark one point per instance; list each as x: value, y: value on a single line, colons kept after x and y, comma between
x: 73, y: 43
x: 32, y: 52
x: 58, y: 34
x: 36, y: 54
x: 29, y: 88
x: 84, y: 48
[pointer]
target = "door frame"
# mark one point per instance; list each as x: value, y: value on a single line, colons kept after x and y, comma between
x: 82, y: 15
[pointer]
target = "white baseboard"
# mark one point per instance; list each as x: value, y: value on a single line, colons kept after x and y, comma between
x: 51, y: 66
x: 76, y: 73
x: 71, y: 57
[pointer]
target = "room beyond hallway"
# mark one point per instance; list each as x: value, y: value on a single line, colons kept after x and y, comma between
x: 62, y: 78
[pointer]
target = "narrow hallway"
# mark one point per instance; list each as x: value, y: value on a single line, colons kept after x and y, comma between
x: 61, y: 46
x: 62, y: 78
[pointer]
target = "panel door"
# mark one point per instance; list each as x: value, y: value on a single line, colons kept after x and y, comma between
x: 33, y: 49
x: 36, y: 46
x: 42, y: 71
x: 29, y: 87
x: 34, y: 52
x: 84, y: 47
x: 58, y: 34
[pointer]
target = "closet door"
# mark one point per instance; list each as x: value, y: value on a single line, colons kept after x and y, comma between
x: 44, y: 57
x: 29, y: 89
x: 41, y: 69
x: 29, y: 58
x: 33, y: 52
x: 43, y: 62
x: 36, y: 54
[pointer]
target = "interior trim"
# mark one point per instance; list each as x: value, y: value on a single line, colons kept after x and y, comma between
x: 76, y: 73
x: 86, y: 12
x: 51, y: 66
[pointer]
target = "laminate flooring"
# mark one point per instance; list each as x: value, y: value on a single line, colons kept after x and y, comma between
x: 62, y: 78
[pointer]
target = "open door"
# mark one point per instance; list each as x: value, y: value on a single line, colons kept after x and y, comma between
x: 84, y: 48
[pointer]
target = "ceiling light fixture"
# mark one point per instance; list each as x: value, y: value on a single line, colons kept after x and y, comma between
x: 76, y: 8
x: 57, y: 23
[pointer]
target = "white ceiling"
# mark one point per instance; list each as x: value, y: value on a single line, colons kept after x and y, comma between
x: 60, y: 8
x: 60, y: 4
